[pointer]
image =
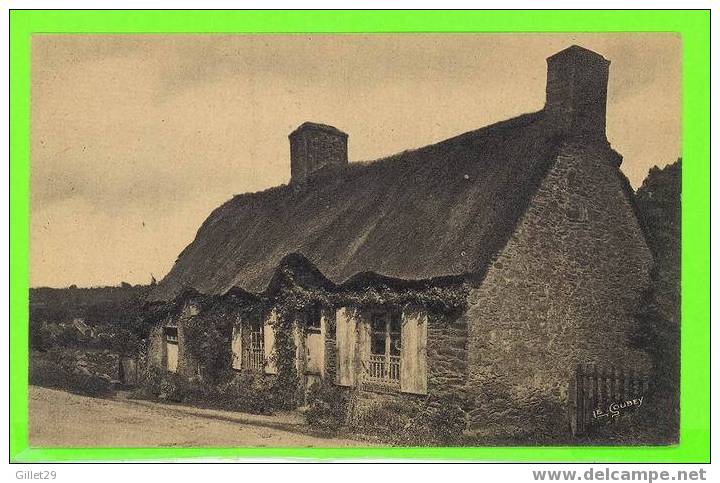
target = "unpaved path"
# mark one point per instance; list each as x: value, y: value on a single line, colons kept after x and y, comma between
x: 58, y: 418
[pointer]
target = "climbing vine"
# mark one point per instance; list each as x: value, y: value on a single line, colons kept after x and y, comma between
x: 447, y: 299
x: 287, y: 381
x: 207, y: 335
x: 207, y: 339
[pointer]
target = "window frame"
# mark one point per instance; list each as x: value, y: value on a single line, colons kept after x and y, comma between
x: 255, y: 350
x: 171, y: 339
x: 313, y: 319
x: 391, y: 355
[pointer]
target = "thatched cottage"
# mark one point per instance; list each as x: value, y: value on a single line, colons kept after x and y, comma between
x: 488, y: 266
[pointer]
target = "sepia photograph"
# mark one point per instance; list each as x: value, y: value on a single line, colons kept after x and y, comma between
x: 354, y: 240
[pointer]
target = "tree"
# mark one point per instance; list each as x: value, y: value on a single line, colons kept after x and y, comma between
x: 657, y: 319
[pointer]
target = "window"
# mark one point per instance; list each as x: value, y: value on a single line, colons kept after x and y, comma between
x: 255, y: 353
x: 313, y: 318
x: 385, y: 347
x: 171, y: 335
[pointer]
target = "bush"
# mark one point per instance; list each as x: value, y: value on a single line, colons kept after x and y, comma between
x: 167, y: 386
x: 384, y: 418
x: 414, y: 422
x: 173, y: 388
x: 443, y: 419
x: 207, y: 340
x: 58, y: 369
x: 149, y: 384
x: 247, y: 392
x: 328, y: 406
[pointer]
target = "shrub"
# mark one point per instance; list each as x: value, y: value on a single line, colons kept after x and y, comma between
x: 328, y: 406
x: 247, y: 392
x: 399, y: 422
x: 207, y: 339
x: 414, y: 422
x: 157, y: 384
x: 385, y: 418
x: 149, y: 384
x: 443, y: 420
x: 286, y: 387
x: 58, y: 369
x: 173, y: 388
x: 123, y: 342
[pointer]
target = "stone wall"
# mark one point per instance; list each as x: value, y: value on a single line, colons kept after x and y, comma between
x: 447, y: 356
x: 187, y: 365
x: 561, y: 292
x: 156, y: 348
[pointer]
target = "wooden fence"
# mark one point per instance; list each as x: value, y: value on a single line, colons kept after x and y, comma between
x: 599, y: 394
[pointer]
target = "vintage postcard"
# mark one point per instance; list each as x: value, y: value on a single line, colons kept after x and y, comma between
x: 354, y: 240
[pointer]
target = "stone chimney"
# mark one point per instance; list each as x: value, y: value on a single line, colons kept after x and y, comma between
x: 576, y: 92
x: 316, y: 146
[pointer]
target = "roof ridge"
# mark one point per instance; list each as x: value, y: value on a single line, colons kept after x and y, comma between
x: 513, y: 122
x: 451, y: 205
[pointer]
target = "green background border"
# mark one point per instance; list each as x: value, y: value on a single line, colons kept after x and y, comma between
x: 694, y: 27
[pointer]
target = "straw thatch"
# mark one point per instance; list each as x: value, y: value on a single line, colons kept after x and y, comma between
x: 438, y: 211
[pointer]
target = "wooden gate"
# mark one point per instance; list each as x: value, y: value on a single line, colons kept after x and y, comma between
x: 596, y: 395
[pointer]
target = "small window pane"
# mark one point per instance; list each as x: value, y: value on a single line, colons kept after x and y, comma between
x: 256, y: 339
x: 378, y: 322
x: 171, y: 335
x: 395, y: 323
x: 313, y: 319
x: 395, y: 346
x: 377, y: 343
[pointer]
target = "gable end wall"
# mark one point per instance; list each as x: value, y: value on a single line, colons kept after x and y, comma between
x: 561, y: 292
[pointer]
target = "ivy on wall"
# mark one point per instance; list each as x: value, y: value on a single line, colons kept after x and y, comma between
x: 295, y: 288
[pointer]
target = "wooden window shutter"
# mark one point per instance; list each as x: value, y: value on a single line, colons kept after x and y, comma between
x: 236, y: 346
x: 269, y: 343
x: 299, y: 350
x: 363, y: 346
x: 314, y: 346
x: 345, y: 343
x: 413, y: 356
x: 320, y: 351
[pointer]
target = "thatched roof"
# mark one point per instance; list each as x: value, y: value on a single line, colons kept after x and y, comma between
x: 438, y: 211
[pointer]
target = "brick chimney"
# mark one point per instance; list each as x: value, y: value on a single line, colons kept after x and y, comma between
x: 316, y: 146
x: 576, y: 92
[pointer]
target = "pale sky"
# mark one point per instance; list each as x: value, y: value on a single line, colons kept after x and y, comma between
x: 136, y: 139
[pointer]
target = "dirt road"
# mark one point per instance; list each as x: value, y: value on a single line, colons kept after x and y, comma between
x: 58, y: 418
